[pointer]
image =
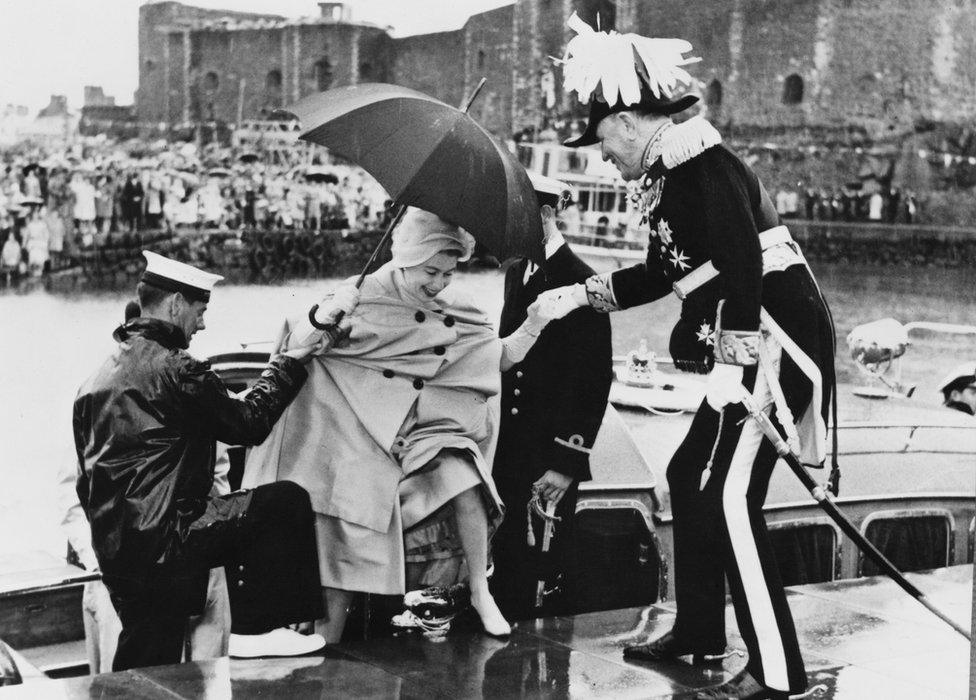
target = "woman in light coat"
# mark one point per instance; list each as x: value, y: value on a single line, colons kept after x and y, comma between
x: 395, y: 423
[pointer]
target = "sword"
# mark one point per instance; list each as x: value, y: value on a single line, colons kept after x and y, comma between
x: 824, y: 500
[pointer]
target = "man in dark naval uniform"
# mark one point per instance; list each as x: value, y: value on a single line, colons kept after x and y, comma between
x: 145, y: 427
x: 752, y: 316
x: 552, y: 406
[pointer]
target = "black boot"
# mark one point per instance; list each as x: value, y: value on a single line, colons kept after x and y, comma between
x: 668, y: 648
x: 741, y: 687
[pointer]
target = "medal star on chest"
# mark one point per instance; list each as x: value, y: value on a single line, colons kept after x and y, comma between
x: 663, y: 232
x: 678, y: 259
x: 705, y: 334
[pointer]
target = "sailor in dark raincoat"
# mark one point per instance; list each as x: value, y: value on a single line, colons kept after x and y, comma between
x: 145, y: 428
x: 552, y: 406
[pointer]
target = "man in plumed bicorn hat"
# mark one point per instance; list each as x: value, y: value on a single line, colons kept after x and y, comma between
x: 752, y: 318
x: 146, y: 424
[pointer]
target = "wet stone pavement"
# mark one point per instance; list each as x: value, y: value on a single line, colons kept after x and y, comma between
x: 861, y: 639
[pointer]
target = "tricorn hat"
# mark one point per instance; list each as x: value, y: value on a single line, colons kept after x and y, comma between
x: 618, y: 72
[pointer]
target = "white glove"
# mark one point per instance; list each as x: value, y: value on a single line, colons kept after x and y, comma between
x: 724, y: 386
x: 344, y: 299
x: 558, y: 302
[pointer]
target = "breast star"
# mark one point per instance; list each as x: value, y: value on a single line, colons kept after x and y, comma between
x: 678, y: 259
x: 705, y: 334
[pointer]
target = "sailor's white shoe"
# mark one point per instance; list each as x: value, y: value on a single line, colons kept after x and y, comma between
x: 277, y: 642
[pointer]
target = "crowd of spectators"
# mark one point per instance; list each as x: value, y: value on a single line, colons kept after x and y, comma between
x: 878, y: 205
x: 55, y: 205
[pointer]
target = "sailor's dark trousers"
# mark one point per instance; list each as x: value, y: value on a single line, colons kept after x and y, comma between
x: 265, y: 540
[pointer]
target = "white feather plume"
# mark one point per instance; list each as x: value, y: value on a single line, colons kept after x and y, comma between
x: 616, y: 64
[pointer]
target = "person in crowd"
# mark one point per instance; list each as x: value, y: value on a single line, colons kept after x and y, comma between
x: 155, y: 200
x: 395, y: 426
x: 211, y: 204
x: 145, y: 427
x: 32, y: 185
x: 84, y: 211
x: 875, y: 206
x: 959, y: 388
x: 131, y: 202
x: 105, y: 196
x: 37, y: 238
x: 55, y: 227
x: 11, y: 258
x: 752, y: 317
x: 552, y: 405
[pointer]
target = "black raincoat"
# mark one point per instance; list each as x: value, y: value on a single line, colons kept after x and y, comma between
x: 145, y: 427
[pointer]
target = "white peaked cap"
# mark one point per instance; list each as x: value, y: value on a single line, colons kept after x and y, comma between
x: 174, y: 276
x: 548, y: 185
x: 964, y: 373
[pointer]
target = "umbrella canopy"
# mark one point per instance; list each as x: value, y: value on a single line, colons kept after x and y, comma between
x: 433, y: 156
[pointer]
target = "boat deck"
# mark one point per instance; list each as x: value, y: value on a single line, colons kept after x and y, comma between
x: 861, y: 638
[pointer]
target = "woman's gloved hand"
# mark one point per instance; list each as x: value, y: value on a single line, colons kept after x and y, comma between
x: 343, y: 300
x: 558, y: 302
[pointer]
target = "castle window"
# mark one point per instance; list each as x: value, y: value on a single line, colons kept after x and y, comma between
x: 713, y: 94
x: 323, y: 74
x: 481, y: 59
x: 793, y: 90
x: 272, y: 89
x: 211, y: 82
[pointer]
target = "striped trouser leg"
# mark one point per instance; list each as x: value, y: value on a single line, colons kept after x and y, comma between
x: 743, y: 466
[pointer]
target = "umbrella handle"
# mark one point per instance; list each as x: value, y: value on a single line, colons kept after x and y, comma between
x: 376, y: 251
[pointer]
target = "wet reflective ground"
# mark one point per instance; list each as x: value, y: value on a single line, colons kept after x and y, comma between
x: 861, y: 639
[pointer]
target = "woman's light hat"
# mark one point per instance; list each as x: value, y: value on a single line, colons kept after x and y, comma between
x: 173, y: 276
x: 421, y: 235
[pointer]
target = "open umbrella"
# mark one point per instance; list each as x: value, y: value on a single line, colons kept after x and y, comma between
x: 430, y: 155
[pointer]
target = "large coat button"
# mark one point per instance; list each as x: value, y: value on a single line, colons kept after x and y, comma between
x: 518, y: 374
x: 389, y: 373
x: 448, y: 321
x: 514, y: 411
x: 420, y: 316
x: 440, y: 350
x: 418, y: 383
x: 517, y: 392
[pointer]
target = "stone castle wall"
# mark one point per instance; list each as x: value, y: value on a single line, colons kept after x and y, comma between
x: 880, y: 65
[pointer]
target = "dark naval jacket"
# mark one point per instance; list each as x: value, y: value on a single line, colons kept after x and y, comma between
x: 145, y: 428
x: 553, y: 401
x: 552, y: 407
